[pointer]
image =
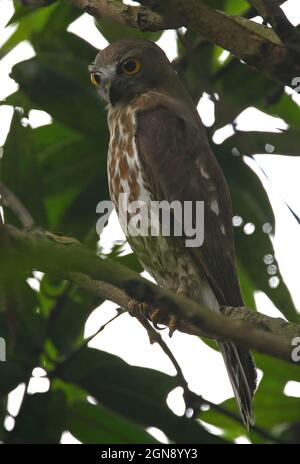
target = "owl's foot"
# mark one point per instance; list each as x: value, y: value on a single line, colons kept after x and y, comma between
x: 158, y: 316
x: 174, y: 324
x: 136, y: 308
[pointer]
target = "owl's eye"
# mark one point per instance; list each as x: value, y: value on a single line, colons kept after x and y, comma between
x: 130, y: 66
x: 95, y: 78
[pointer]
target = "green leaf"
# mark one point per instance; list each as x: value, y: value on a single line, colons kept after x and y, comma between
x: 50, y: 81
x: 273, y: 410
x: 73, y: 393
x: 237, y: 7
x: 233, y: 99
x: 3, y: 412
x: 39, y: 25
x: 276, y: 370
x: 250, y: 201
x: 284, y: 108
x: 257, y: 272
x: 42, y: 419
x: 11, y: 375
x: 74, y: 169
x: 96, y: 425
x: 136, y: 393
x: 19, y: 101
x: 22, y: 324
x: 18, y: 166
x: 29, y: 23
x: 247, y: 286
x: 57, y: 22
x: 129, y: 260
x: 70, y: 310
x: 80, y: 218
x: 66, y: 42
x: 254, y: 142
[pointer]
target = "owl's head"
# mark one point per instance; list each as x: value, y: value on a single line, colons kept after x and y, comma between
x: 130, y: 67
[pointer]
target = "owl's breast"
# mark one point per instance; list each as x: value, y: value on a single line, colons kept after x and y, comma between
x: 162, y: 256
x: 125, y: 174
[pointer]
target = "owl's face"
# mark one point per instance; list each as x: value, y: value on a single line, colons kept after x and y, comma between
x: 127, y: 68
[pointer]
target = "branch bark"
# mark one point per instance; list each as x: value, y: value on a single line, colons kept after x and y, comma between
x: 264, y: 334
x: 275, y: 16
x: 9, y: 199
x: 257, y: 45
x: 126, y: 15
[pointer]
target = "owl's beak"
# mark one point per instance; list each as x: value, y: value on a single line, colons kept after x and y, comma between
x: 105, y: 76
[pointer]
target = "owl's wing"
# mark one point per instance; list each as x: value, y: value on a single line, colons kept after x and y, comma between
x: 179, y: 165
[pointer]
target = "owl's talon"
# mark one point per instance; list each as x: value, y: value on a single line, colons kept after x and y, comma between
x: 159, y: 318
x: 173, y: 325
x: 157, y: 327
x: 136, y: 307
x: 154, y: 315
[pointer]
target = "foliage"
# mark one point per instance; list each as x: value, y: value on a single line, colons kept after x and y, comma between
x: 59, y: 172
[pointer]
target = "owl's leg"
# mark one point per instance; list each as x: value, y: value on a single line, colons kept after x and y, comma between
x: 159, y: 316
x: 174, y: 322
x: 136, y: 308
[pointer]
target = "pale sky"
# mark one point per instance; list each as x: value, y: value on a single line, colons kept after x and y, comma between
x: 125, y: 337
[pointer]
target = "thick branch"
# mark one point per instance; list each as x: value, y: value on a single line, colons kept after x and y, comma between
x: 274, y: 15
x: 107, y: 291
x: 267, y: 335
x: 127, y: 15
x: 253, y: 43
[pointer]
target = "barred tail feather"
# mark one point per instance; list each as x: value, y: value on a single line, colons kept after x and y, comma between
x: 242, y: 374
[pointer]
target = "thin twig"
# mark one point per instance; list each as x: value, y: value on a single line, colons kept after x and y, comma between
x: 60, y: 364
x: 275, y: 16
x: 155, y: 337
x: 192, y: 400
x: 10, y: 200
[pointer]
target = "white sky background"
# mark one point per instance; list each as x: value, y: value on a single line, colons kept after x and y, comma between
x: 125, y: 337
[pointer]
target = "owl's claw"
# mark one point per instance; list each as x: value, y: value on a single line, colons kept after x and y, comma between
x: 136, y: 307
x: 157, y: 316
x: 154, y: 315
x: 173, y: 324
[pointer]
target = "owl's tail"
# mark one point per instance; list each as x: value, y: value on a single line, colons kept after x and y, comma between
x: 242, y: 373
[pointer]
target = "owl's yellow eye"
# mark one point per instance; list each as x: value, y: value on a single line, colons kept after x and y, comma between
x: 95, y: 78
x: 130, y: 66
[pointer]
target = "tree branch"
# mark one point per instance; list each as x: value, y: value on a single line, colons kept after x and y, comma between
x: 47, y: 251
x: 274, y: 15
x: 255, y: 44
x: 9, y: 199
x: 127, y: 15
x: 267, y: 335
